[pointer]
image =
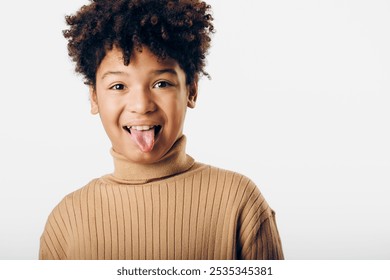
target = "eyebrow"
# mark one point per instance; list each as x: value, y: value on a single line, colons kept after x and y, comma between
x: 154, y: 72
x: 166, y: 70
x: 108, y: 73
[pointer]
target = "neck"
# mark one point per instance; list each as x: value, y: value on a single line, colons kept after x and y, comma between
x: 175, y: 161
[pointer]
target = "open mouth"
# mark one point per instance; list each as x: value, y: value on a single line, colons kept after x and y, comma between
x: 156, y: 128
x: 144, y: 136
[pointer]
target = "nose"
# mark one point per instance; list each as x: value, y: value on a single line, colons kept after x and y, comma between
x: 141, y: 101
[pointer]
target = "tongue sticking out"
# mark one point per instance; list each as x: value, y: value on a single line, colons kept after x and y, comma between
x: 144, y: 139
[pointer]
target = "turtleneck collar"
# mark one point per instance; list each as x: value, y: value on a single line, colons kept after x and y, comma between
x: 174, y: 162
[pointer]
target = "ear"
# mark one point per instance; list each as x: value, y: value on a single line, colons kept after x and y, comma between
x: 93, y: 100
x: 192, y: 94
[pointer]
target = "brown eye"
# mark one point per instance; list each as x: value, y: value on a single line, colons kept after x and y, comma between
x: 162, y: 84
x: 118, y: 87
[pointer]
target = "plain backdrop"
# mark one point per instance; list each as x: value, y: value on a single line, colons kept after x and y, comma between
x: 299, y: 101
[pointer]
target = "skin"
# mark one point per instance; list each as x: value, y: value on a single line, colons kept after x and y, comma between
x: 146, y: 92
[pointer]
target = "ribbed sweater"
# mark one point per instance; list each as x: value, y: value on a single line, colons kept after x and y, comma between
x: 175, y: 209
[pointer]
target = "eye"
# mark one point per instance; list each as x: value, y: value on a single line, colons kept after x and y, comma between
x: 162, y: 84
x: 118, y: 87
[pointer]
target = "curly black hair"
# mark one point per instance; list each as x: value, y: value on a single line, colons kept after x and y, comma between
x: 178, y: 29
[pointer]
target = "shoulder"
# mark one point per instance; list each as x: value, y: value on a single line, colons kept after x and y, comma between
x: 234, y: 179
x: 245, y: 192
x: 54, y: 241
x: 68, y: 203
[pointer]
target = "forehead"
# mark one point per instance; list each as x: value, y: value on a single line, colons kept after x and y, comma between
x: 143, y: 60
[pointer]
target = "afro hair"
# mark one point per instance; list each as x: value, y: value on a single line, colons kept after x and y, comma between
x: 178, y: 29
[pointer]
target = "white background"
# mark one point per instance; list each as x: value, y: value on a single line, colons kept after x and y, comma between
x: 299, y: 102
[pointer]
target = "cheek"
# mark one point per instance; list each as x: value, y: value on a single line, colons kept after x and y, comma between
x: 175, y: 112
x: 110, y: 112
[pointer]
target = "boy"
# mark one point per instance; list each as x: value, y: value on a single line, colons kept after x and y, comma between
x: 141, y: 60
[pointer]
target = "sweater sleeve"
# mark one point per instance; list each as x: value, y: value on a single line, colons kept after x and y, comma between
x: 53, y: 242
x: 266, y: 243
x: 258, y: 233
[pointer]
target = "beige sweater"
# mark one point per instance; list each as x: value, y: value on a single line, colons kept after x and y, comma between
x: 173, y: 209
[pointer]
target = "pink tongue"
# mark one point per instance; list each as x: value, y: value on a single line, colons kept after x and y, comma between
x: 144, y: 139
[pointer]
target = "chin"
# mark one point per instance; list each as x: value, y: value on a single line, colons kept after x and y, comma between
x: 143, y: 158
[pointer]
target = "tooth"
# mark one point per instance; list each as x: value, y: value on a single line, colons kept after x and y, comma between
x: 141, y: 127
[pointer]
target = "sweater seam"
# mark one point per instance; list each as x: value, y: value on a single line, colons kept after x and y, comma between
x: 256, y: 229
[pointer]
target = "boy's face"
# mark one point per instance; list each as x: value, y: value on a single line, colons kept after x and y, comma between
x: 142, y: 106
